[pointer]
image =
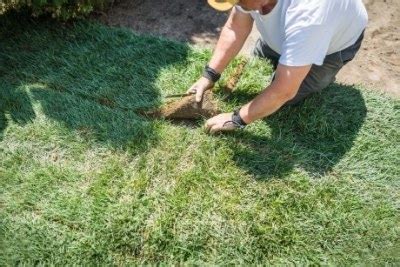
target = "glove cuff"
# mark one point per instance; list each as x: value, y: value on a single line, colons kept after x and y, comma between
x: 237, y: 120
x: 211, y: 74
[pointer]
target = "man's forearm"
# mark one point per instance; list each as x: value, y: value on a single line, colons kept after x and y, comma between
x: 231, y: 40
x: 266, y: 103
x: 284, y: 87
x: 228, y: 46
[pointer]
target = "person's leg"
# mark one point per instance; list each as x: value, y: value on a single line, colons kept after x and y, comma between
x: 320, y: 77
x: 262, y: 50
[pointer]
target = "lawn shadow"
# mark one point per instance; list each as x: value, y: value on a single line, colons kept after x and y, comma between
x: 92, y: 78
x: 313, y: 136
x: 15, y: 103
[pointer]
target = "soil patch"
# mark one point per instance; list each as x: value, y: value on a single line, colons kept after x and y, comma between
x: 186, y: 108
x: 377, y: 65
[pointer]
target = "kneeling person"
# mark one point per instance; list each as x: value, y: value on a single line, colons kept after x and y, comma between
x: 308, y: 42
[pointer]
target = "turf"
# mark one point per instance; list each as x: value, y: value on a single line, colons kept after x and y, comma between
x: 86, y: 180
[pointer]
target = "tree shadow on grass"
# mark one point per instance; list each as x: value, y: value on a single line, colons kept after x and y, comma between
x: 313, y: 136
x: 90, y: 77
x: 16, y: 103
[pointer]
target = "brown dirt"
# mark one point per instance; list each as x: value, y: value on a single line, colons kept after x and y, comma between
x: 187, y: 108
x: 234, y: 79
x: 377, y: 65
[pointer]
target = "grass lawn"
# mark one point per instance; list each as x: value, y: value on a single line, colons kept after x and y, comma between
x: 84, y: 179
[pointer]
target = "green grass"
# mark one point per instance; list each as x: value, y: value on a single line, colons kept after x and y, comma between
x: 86, y: 180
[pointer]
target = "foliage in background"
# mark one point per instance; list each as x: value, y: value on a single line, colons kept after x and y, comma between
x: 63, y: 9
x: 86, y: 180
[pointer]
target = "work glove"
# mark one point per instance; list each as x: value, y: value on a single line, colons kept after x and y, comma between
x: 203, y: 84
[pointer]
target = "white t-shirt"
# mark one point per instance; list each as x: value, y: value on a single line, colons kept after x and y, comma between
x: 303, y: 32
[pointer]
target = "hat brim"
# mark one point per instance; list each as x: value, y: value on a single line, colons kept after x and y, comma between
x: 220, y: 6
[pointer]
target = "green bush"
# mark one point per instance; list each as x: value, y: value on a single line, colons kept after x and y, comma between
x: 63, y: 9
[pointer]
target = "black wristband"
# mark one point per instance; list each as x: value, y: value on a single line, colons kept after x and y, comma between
x: 211, y: 74
x: 237, y: 119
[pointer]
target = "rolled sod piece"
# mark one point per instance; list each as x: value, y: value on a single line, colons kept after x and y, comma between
x: 187, y: 108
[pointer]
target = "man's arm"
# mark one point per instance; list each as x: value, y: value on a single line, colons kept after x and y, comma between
x: 233, y: 35
x: 283, y: 88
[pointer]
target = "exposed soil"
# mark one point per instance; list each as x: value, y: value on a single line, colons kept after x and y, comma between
x: 234, y: 79
x: 186, y: 108
x: 376, y: 66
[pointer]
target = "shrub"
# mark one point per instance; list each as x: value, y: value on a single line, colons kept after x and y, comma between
x: 63, y: 9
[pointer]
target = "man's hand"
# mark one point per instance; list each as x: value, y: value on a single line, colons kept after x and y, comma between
x: 221, y: 122
x: 199, y: 87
